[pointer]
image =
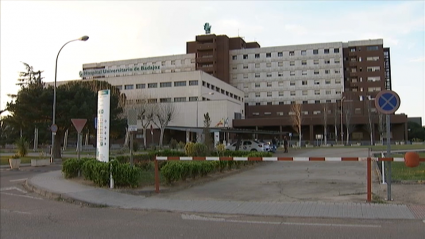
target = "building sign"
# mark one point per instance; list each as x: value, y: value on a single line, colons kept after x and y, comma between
x: 103, y: 117
x: 105, y: 72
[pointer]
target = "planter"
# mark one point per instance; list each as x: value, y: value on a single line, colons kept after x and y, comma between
x: 40, y: 162
x: 14, y: 163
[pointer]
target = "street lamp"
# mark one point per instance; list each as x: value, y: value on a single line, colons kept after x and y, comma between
x: 54, y: 127
x: 342, y: 131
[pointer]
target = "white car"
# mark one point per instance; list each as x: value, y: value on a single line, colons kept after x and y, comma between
x: 248, y: 145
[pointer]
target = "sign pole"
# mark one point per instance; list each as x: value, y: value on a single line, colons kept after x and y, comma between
x: 131, y: 148
x: 388, y: 155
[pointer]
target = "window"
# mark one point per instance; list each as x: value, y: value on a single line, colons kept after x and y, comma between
x: 257, y: 65
x: 280, y: 63
x: 316, y: 92
x: 269, y: 94
x: 371, y: 48
x: 245, y: 66
x: 292, y: 73
x: 327, y: 82
x: 373, y: 68
x: 316, y: 62
x: 165, y: 84
x: 257, y: 94
x: 305, y: 92
x: 152, y: 85
x: 315, y: 51
x: 162, y: 63
x: 280, y: 74
x: 316, y: 72
x: 269, y: 74
x: 257, y: 85
x: 317, y: 82
x: 327, y: 71
x: 353, y: 49
x: 303, y: 52
x: 326, y: 51
x: 280, y: 54
x: 257, y: 55
x: 128, y: 87
x: 336, y: 50
x: 304, y: 112
x: 328, y: 92
x: 374, y: 89
x: 279, y: 113
x: 234, y: 57
x: 180, y: 99
x: 317, y: 112
x: 327, y: 61
x: 374, y: 78
x: 304, y: 62
x: 292, y: 53
x: 193, y: 98
x: 193, y: 82
x: 140, y: 86
x: 119, y: 87
x: 257, y: 75
x: 292, y: 83
x: 337, y: 61
x: 269, y: 64
x: 292, y: 93
x: 337, y: 71
x: 245, y: 76
x: 357, y: 111
x: 292, y: 63
x: 304, y: 73
x: 268, y: 55
x: 280, y: 83
x: 269, y: 84
x: 173, y: 63
x: 304, y: 82
x: 245, y: 57
x: 245, y: 86
x: 280, y: 93
x: 338, y: 81
x: 234, y: 76
x: 163, y: 100
x: 372, y: 58
x: 234, y: 67
x: 152, y: 100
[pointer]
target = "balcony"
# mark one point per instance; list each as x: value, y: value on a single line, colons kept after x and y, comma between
x: 205, y: 59
x: 207, y: 69
x: 205, y: 47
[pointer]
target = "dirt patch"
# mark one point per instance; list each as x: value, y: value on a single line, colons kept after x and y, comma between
x: 403, y: 193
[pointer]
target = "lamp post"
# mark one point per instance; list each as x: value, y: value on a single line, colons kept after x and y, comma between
x: 342, y: 125
x: 197, y: 111
x: 53, y: 128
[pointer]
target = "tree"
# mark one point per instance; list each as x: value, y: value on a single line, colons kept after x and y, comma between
x: 207, y: 135
x: 336, y: 122
x: 348, y: 112
x: 370, y: 117
x: 297, y: 118
x: 163, y: 114
x: 77, y: 99
x: 325, y: 122
x: 415, y: 132
x: 145, y: 113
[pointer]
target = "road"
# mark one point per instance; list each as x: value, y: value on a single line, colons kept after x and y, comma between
x: 28, y: 215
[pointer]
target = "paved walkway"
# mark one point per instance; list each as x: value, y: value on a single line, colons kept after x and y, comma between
x: 53, y: 185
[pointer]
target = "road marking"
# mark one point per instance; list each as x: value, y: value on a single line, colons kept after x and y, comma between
x: 25, y: 196
x: 19, y: 212
x: 18, y: 180
x: 13, y: 188
x: 215, y: 219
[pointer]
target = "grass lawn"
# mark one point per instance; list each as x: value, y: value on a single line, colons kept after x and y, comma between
x: 399, y: 171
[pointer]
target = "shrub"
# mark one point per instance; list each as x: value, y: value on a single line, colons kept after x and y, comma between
x: 171, y: 171
x: 71, y: 167
x: 200, y: 149
x: 189, y: 148
x: 125, y: 175
x: 173, y: 144
x: 181, y: 145
x: 22, y: 146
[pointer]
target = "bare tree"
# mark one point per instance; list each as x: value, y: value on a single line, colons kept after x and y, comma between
x: 348, y: 112
x: 163, y: 113
x: 336, y: 122
x: 325, y: 122
x: 381, y: 127
x: 207, y: 135
x: 296, y: 117
x: 145, y: 114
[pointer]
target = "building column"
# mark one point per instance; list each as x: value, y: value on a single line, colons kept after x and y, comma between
x: 311, y: 133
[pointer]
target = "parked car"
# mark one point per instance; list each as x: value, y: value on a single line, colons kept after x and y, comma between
x: 248, y: 145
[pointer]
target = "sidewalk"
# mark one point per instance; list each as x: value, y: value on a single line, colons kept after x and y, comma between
x: 53, y: 185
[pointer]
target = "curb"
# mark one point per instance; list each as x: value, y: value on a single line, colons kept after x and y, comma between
x: 59, y: 197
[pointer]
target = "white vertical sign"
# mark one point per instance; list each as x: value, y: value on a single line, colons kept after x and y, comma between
x: 103, y: 118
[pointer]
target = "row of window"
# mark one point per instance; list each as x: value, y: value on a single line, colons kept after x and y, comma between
x: 314, y: 112
x: 222, y: 91
x: 294, y: 93
x: 288, y: 73
x: 155, y: 85
x: 368, y: 48
x: 288, y: 63
x: 159, y: 63
x: 368, y: 69
x: 287, y: 53
x: 292, y: 83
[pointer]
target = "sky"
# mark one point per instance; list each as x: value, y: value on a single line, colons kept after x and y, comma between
x: 34, y: 31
